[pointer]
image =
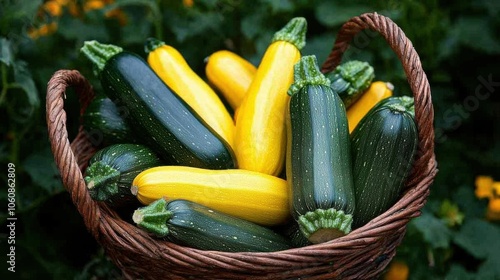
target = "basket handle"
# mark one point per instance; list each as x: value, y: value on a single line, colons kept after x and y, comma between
x: 64, y: 153
x: 417, y: 79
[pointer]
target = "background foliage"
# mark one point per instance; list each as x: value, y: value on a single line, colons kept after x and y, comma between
x: 457, y: 42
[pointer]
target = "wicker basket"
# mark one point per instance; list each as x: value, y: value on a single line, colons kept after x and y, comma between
x: 362, y: 254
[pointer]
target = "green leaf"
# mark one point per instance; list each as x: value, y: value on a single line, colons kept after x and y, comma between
x: 22, y: 77
x: 253, y: 24
x: 434, y: 230
x: 477, y: 33
x: 490, y: 269
x: 491, y: 6
x: 6, y: 55
x: 479, y: 238
x: 279, y: 5
x: 90, y: 29
x: 202, y: 23
x: 43, y: 171
x: 469, y: 204
x: 320, y: 46
x: 330, y: 14
x: 459, y: 272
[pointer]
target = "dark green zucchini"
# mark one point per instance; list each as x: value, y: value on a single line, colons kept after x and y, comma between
x: 104, y: 121
x: 351, y: 79
x: 383, y: 148
x: 158, y: 116
x: 112, y: 169
x: 318, y: 165
x: 194, y: 225
x: 293, y: 233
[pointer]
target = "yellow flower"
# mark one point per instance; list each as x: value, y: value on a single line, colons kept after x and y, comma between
x: 188, y: 3
x: 397, y: 271
x: 487, y: 188
x: 484, y: 186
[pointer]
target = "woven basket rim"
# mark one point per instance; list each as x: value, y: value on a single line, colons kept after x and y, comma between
x: 124, y: 242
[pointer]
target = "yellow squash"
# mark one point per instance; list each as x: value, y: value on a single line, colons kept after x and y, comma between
x: 260, y: 140
x: 377, y: 91
x: 253, y: 196
x: 169, y: 64
x: 231, y: 74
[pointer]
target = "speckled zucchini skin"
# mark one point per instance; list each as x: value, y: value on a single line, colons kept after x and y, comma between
x: 163, y: 119
x: 104, y: 120
x: 191, y: 224
x: 383, y: 148
x: 112, y: 169
x: 319, y: 160
x: 158, y: 116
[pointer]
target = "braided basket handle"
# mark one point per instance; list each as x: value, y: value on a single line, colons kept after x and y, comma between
x: 417, y: 79
x: 64, y: 152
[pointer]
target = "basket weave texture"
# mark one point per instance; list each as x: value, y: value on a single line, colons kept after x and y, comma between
x: 362, y: 254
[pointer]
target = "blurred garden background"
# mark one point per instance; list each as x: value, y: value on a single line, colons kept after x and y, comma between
x: 457, y: 235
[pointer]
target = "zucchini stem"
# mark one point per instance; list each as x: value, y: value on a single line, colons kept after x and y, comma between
x: 406, y: 104
x: 153, y: 217
x: 307, y: 72
x: 102, y: 181
x: 324, y: 225
x: 99, y: 53
x: 293, y: 32
x: 152, y: 44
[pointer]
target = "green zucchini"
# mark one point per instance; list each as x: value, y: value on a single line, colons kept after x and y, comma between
x: 351, y: 79
x: 157, y: 114
x: 112, y: 169
x: 104, y: 121
x: 383, y: 148
x: 293, y: 233
x: 319, y: 171
x: 191, y: 224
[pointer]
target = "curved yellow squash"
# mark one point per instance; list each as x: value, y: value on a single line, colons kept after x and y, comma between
x: 376, y: 92
x: 231, y: 74
x: 260, y: 139
x: 255, y: 197
x: 169, y: 64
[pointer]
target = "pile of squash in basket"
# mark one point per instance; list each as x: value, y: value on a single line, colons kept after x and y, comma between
x: 251, y: 158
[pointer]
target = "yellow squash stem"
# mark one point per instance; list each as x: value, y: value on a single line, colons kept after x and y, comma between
x: 260, y: 140
x: 376, y: 92
x: 230, y: 74
x: 249, y: 195
x: 169, y: 64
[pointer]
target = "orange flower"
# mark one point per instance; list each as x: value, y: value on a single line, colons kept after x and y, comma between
x: 494, y: 205
x: 43, y: 30
x: 495, y: 189
x: 188, y: 3
x: 118, y: 15
x: 484, y: 186
x: 493, y: 212
x: 74, y: 9
x: 64, y: 2
x: 398, y: 270
x: 94, y: 5
x: 53, y: 8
